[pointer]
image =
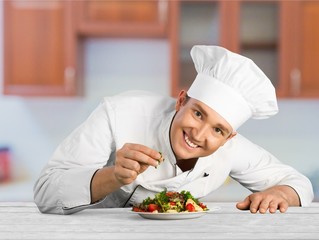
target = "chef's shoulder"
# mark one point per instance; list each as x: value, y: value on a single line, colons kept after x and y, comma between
x: 239, y: 145
x: 140, y: 100
x: 242, y: 152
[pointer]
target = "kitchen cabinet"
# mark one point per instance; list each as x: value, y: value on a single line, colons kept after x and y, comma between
x: 300, y: 49
x: 42, y: 39
x: 39, y: 49
x: 281, y: 37
x: 42, y: 52
x: 193, y: 23
x: 123, y: 18
x: 203, y: 23
x: 260, y: 36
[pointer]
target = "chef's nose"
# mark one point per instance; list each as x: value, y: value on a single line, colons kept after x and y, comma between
x: 201, y: 132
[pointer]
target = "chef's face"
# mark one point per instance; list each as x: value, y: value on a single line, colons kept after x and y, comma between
x: 197, y: 130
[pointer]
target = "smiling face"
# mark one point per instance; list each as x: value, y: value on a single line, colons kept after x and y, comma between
x: 197, y: 130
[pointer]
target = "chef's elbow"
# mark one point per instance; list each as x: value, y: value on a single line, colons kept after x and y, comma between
x: 45, y: 202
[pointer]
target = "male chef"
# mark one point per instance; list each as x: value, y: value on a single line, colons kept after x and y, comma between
x: 113, y: 158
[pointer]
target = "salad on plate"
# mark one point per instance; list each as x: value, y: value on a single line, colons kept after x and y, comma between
x: 170, y: 202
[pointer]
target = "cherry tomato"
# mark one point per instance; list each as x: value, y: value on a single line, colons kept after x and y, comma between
x: 136, y: 209
x: 203, y: 206
x: 152, y: 207
x: 190, y: 207
x: 169, y: 194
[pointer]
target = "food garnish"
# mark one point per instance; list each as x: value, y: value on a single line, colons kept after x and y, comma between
x: 170, y: 202
x: 161, y: 159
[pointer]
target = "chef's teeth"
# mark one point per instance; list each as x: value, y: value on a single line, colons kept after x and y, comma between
x: 189, y: 143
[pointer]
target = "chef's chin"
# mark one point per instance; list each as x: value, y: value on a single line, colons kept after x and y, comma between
x: 184, y: 155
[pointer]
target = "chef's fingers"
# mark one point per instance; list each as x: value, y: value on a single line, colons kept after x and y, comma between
x: 143, y: 167
x: 142, y: 154
x: 283, y: 206
x: 273, y: 206
x: 262, y: 202
x: 125, y: 176
x: 244, y: 205
x: 251, y: 203
x: 129, y: 164
x: 265, y: 204
x: 154, y: 154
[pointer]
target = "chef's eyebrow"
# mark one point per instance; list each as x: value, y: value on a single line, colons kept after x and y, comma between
x: 202, y: 111
x: 219, y: 125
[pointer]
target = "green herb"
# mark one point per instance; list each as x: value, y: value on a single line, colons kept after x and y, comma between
x: 162, y: 201
x: 187, y: 195
x: 147, y: 201
x: 159, y: 160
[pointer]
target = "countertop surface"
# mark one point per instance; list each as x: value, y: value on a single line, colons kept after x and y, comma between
x: 22, y: 220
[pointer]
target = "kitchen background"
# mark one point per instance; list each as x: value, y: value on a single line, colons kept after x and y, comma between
x: 31, y: 125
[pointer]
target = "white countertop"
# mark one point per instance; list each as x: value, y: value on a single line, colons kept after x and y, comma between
x: 22, y: 220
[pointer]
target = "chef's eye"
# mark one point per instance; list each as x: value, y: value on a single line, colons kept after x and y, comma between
x: 219, y: 131
x: 197, y: 114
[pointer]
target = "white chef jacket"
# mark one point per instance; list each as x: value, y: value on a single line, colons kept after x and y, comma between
x: 145, y: 118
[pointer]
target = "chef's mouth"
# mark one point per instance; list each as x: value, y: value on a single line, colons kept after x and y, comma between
x: 188, y: 142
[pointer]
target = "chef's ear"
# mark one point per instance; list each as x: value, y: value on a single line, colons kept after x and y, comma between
x: 181, y: 100
x: 233, y: 134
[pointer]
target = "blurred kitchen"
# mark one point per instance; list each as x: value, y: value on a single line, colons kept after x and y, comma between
x: 59, y: 58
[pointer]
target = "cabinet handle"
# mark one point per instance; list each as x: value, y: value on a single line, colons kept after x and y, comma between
x: 36, y: 4
x: 162, y: 10
x: 295, y: 81
x: 69, y: 78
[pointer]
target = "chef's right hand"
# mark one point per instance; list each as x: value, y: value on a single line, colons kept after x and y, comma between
x: 133, y: 159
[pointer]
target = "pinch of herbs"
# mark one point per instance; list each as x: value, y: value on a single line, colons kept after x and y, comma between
x: 161, y: 159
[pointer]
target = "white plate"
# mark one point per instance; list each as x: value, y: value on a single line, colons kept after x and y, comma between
x: 175, y: 216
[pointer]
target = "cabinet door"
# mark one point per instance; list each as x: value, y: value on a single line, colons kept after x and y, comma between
x: 259, y: 36
x: 125, y: 18
x: 192, y: 22
x: 300, y: 44
x: 39, y: 55
x: 308, y: 55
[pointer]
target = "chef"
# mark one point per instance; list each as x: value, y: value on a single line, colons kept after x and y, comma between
x: 137, y: 143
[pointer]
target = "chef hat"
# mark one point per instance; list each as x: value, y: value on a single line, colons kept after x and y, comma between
x: 232, y: 85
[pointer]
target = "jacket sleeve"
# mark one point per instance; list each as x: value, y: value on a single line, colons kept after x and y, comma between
x: 257, y: 170
x: 64, y: 184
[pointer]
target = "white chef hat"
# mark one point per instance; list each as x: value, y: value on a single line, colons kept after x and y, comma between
x: 232, y: 85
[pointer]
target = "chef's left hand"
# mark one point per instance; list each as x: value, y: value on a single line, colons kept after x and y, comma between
x: 277, y: 197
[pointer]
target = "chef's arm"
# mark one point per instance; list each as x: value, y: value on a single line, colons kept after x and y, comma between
x: 261, y: 172
x: 64, y: 185
x: 103, y: 183
x: 277, y: 179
